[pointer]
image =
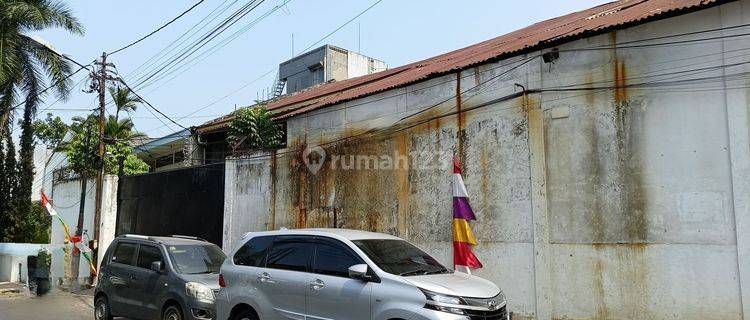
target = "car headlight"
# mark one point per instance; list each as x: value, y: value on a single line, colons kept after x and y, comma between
x: 444, y: 303
x: 199, y: 291
x: 501, y: 299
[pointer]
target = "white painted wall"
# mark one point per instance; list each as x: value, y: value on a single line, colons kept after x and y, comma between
x: 41, y: 157
x: 108, y: 223
x: 13, y: 266
x: 360, y: 65
x: 66, y: 201
x: 635, y: 206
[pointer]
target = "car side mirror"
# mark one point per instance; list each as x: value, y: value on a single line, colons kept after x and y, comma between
x: 359, y: 271
x: 156, y: 266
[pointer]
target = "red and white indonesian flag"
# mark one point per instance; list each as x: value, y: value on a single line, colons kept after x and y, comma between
x: 463, y: 238
x: 48, y: 205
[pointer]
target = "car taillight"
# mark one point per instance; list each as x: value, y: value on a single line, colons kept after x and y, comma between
x: 221, y: 281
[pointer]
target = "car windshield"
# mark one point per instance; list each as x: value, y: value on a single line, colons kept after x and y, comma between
x: 400, y: 257
x: 196, y: 259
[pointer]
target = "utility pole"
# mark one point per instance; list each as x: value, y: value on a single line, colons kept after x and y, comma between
x: 99, y: 175
x: 100, y: 79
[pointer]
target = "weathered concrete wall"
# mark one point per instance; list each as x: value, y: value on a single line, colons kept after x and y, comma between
x: 66, y: 196
x: 247, y: 195
x: 626, y: 197
x: 108, y: 223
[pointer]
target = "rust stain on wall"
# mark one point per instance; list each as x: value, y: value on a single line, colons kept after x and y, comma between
x: 526, y: 102
x: 633, y: 196
x: 625, y: 281
x: 402, y: 176
x: 349, y: 191
x: 371, y: 220
x: 272, y: 218
x: 460, y: 120
x: 302, y: 218
x: 619, y: 72
x: 601, y: 304
x: 596, y: 169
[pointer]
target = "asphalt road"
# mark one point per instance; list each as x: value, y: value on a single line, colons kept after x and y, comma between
x: 55, y: 305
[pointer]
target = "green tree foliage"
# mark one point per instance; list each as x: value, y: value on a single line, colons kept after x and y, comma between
x: 25, y: 62
x: 5, y: 194
x: 50, y: 131
x: 253, y: 129
x: 35, y: 228
x: 22, y: 196
x: 83, y: 149
x: 26, y: 65
x: 9, y: 185
x: 134, y: 165
x: 124, y: 100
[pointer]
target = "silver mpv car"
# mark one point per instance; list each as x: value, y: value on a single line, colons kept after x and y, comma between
x: 347, y: 275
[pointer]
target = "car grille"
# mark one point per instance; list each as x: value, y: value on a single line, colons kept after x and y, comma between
x: 499, y: 314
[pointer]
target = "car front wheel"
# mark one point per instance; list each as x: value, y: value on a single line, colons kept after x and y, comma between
x: 245, y: 315
x: 173, y: 313
x: 101, y: 309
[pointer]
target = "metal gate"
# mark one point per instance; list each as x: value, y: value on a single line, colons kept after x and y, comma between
x: 186, y: 201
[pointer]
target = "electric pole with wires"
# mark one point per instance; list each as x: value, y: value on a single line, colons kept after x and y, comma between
x: 99, y: 80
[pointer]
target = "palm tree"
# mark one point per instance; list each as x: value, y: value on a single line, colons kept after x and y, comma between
x: 124, y: 100
x: 24, y: 61
x: 120, y: 130
x: 25, y: 64
x: 120, y: 134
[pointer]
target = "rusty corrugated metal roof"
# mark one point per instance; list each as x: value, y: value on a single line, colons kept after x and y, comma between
x: 596, y: 20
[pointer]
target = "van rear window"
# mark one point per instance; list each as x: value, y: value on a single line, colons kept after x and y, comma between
x: 124, y: 253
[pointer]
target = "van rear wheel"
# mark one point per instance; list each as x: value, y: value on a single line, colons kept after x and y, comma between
x: 245, y: 315
x: 173, y: 313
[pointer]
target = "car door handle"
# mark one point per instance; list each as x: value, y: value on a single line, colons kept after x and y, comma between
x: 265, y: 277
x: 317, y: 284
x: 133, y: 278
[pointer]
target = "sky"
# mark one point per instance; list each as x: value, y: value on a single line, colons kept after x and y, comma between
x: 237, y: 72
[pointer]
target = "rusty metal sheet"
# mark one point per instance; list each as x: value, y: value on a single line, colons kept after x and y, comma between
x: 596, y: 20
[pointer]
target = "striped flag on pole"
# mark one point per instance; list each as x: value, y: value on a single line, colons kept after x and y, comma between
x: 463, y: 238
x: 52, y: 212
x: 48, y: 205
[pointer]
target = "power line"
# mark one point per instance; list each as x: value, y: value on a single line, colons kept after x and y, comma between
x: 169, y: 48
x: 274, y: 68
x: 49, y: 87
x: 158, y: 29
x: 150, y: 105
x: 184, y: 67
x: 222, y: 98
x: 208, y: 37
x: 342, y: 26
